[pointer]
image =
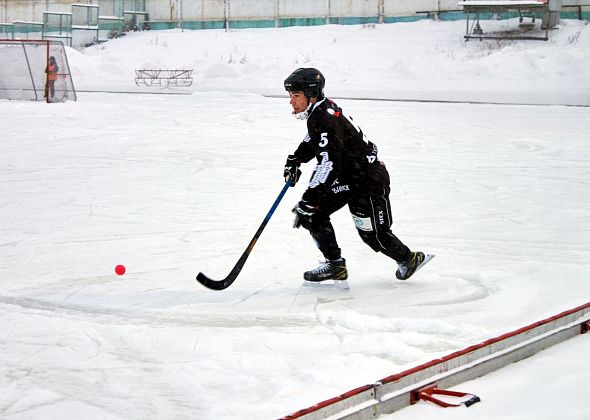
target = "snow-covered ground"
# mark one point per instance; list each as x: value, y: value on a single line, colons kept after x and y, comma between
x: 171, y: 185
x: 423, y: 60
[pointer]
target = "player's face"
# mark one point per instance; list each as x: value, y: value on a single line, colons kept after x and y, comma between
x: 298, y: 102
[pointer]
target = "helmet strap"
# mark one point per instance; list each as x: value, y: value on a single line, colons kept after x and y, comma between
x: 304, y: 114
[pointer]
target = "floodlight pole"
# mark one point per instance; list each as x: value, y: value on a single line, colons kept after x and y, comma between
x: 226, y: 14
x: 181, y: 15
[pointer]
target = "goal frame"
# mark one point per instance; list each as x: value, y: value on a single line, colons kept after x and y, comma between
x: 35, y: 84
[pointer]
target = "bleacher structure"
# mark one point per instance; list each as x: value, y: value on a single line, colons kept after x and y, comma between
x: 27, y: 30
x: 85, y: 24
x: 110, y: 19
x: 135, y: 14
x: 530, y: 12
x: 58, y: 26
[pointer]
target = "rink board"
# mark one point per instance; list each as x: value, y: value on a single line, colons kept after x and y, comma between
x: 395, y: 392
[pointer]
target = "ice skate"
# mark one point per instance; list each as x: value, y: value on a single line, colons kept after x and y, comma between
x: 328, y: 270
x: 416, y: 261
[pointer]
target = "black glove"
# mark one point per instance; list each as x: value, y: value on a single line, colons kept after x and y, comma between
x: 304, y: 213
x: 292, y: 171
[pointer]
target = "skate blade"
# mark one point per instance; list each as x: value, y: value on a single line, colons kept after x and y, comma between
x: 328, y: 284
x: 427, y: 258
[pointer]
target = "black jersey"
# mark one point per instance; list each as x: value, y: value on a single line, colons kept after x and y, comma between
x: 346, y: 161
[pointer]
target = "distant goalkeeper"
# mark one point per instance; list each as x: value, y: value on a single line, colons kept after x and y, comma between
x: 52, y: 69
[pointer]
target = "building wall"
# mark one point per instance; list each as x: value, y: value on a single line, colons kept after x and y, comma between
x: 31, y: 10
x: 202, y: 10
x: 204, y: 14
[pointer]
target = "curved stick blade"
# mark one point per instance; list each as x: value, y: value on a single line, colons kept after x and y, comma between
x: 214, y: 284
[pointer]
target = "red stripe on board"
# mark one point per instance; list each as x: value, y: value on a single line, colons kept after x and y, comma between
x: 329, y: 402
x: 486, y: 343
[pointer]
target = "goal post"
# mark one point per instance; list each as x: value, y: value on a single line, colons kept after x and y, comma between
x: 35, y: 70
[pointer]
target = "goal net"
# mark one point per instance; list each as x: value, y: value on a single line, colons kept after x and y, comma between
x: 35, y: 70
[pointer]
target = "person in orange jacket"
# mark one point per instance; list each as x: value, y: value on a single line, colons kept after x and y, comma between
x: 51, y: 70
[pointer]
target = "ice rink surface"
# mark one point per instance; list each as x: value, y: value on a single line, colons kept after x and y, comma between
x: 173, y: 185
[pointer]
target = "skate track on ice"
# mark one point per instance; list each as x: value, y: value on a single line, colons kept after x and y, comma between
x: 178, y: 185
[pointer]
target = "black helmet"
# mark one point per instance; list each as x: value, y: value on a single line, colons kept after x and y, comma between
x: 308, y: 80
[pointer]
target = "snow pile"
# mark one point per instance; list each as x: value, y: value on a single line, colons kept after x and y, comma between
x: 423, y: 60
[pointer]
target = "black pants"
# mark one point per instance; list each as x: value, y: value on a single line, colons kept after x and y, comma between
x: 50, y: 88
x: 372, y: 216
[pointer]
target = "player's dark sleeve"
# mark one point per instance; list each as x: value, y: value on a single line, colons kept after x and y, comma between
x: 306, y: 150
